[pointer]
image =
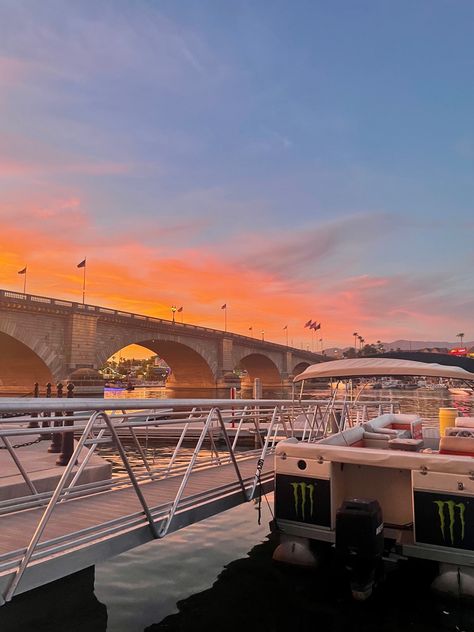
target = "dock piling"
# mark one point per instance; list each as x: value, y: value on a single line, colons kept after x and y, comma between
x: 67, y: 443
x: 45, y: 423
x: 55, y: 446
x: 34, y: 424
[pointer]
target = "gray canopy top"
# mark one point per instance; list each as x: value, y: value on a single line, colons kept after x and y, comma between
x: 381, y: 367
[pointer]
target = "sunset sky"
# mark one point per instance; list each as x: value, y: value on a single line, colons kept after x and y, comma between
x: 294, y: 160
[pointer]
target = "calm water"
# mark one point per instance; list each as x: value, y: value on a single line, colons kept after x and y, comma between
x: 220, y: 572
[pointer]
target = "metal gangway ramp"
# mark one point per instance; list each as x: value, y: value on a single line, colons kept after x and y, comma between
x: 50, y: 534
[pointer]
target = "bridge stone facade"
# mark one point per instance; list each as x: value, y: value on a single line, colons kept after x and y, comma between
x: 45, y: 339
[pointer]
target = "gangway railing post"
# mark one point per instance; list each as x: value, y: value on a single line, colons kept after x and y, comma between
x: 164, y: 529
x: 231, y: 452
x: 241, y: 421
x: 131, y: 474
x: 263, y: 454
x: 180, y: 441
x: 138, y: 445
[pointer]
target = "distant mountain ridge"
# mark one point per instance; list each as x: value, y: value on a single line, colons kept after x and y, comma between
x: 408, y: 345
x: 413, y: 345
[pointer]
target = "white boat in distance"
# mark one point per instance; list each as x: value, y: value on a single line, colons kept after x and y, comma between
x: 382, y: 488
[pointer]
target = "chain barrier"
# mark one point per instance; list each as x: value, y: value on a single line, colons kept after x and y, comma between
x: 21, y: 445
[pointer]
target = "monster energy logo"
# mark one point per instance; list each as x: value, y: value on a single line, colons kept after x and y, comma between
x: 452, y: 506
x: 299, y: 495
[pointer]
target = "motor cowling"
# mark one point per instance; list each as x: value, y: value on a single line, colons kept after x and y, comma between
x: 360, y: 542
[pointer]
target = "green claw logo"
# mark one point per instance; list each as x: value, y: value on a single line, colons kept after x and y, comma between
x: 451, y: 505
x: 299, y: 490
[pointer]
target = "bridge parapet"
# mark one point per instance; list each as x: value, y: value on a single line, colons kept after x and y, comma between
x: 11, y: 299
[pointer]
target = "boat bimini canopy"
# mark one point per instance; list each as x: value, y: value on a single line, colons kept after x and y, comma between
x: 378, y: 367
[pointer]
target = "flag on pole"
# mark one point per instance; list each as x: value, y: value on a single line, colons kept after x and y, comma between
x: 180, y: 309
x: 224, y: 306
x: 250, y: 328
x: 315, y: 326
x: 82, y: 264
x: 23, y: 271
x: 309, y: 323
x: 285, y: 327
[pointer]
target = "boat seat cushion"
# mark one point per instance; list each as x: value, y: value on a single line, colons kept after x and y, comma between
x: 391, y: 423
x: 464, y: 422
x: 457, y: 445
x: 346, y: 438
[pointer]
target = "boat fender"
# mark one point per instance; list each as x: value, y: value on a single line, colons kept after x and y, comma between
x: 295, y: 550
x: 454, y: 580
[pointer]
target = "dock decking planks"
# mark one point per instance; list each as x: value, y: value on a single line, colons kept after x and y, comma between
x: 73, y: 515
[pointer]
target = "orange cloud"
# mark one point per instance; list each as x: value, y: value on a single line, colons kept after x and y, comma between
x: 52, y: 235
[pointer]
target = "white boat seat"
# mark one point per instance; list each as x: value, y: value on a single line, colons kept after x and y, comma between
x: 457, y: 445
x: 405, y: 426
x: 464, y: 422
x: 347, y: 438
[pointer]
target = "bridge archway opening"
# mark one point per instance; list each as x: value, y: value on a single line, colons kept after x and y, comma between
x: 300, y: 367
x: 187, y: 368
x: 258, y: 365
x: 21, y: 367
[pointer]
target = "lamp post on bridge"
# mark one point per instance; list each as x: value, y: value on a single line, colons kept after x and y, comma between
x: 263, y: 335
x: 173, y: 311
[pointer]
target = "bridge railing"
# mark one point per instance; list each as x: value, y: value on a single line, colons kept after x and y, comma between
x: 32, y: 299
x: 206, y: 434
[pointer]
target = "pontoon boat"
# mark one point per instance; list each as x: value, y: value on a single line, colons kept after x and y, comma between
x: 382, y: 488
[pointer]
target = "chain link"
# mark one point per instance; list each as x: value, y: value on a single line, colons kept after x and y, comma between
x: 21, y: 445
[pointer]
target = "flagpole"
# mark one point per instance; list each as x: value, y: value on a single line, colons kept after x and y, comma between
x: 84, y: 284
x: 225, y: 318
x: 24, y: 282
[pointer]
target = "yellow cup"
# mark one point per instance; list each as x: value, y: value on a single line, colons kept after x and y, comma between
x: 446, y: 419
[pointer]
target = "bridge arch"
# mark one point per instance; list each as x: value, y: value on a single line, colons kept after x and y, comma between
x: 190, y: 367
x: 300, y: 367
x: 21, y: 366
x: 261, y: 366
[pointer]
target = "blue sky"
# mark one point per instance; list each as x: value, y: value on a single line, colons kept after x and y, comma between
x: 317, y: 155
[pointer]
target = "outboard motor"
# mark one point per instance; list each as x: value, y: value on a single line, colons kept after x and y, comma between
x: 360, y: 543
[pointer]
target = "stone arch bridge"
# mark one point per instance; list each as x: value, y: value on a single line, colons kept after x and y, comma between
x: 46, y: 339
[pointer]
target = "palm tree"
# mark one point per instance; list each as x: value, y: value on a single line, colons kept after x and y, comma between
x: 460, y: 336
x: 360, y: 341
x: 355, y: 334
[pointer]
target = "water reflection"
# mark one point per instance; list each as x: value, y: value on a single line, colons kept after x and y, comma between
x: 255, y: 594
x: 142, y: 586
x: 422, y: 401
